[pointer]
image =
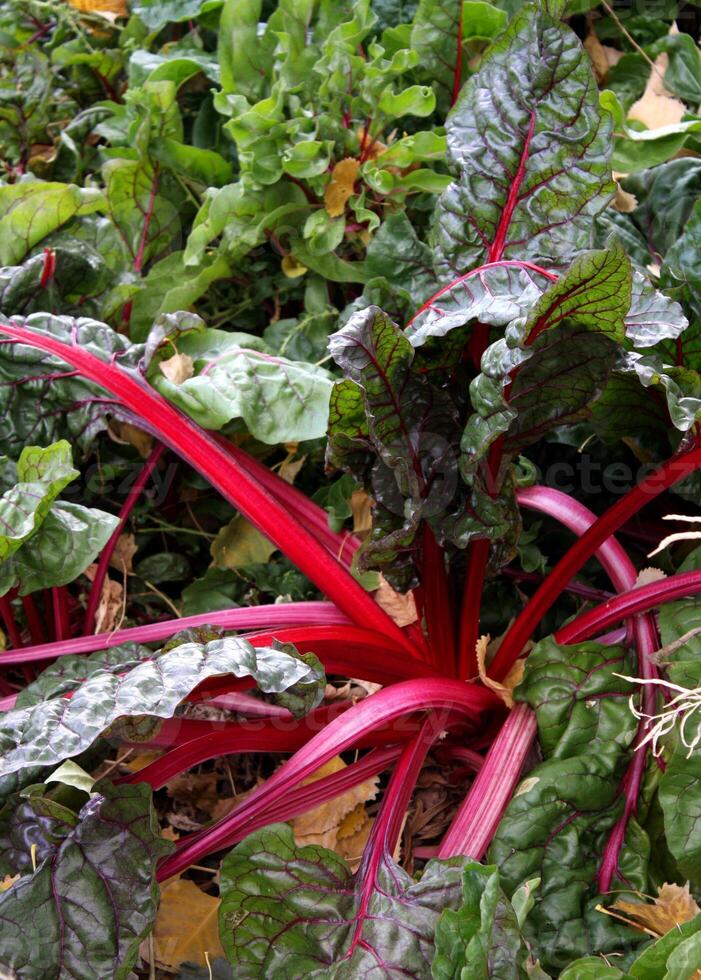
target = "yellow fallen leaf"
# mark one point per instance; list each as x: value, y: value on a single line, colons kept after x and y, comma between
x: 353, y: 835
x: 177, y: 368
x: 341, y: 186
x: 239, y: 543
x: 292, y: 267
x: 672, y: 907
x: 109, y: 9
x: 657, y: 107
x: 343, y: 816
x: 186, y: 926
x: 623, y: 201
x: 7, y: 882
x: 400, y: 608
x: 504, y: 689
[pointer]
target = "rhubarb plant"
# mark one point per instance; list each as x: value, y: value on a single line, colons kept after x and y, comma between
x: 310, y: 307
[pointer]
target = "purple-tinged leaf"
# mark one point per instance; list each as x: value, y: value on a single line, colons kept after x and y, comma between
x: 92, y: 898
x: 531, y: 151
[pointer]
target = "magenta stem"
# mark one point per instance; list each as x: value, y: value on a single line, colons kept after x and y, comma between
x: 133, y: 495
x: 477, y: 819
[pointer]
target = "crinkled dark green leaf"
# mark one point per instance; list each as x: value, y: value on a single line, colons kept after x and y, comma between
x: 407, y: 422
x: 41, y: 397
x: 594, y: 292
x: 562, y: 813
x: 555, y: 828
x: 438, y: 37
x: 397, y: 254
x: 48, y: 732
x: 531, y: 151
x: 93, y: 898
x: 298, y: 911
x: 483, y: 937
x: 676, y: 954
x: 581, y: 707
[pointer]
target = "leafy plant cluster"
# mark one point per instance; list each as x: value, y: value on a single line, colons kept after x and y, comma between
x: 305, y: 309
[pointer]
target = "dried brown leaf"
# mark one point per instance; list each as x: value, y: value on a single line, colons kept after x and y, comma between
x: 129, y: 435
x: 177, y: 368
x: 504, y: 689
x: 672, y: 907
x: 361, y: 508
x: 400, y: 608
x: 123, y: 553
x: 342, y: 817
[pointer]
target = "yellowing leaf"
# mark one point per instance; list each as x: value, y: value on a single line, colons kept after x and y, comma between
x: 505, y: 689
x: 186, y: 926
x: 239, y: 543
x: 401, y: 608
x: 343, y: 817
x: 109, y: 9
x: 341, y: 186
x: 623, y: 201
x: 7, y: 882
x: 292, y: 267
x: 177, y: 368
x: 673, y: 906
x: 657, y: 107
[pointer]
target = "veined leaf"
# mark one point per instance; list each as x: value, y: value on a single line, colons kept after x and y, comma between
x: 235, y: 377
x: 52, y: 401
x: 48, y: 732
x: 92, y: 898
x: 334, y: 926
x: 39, y: 477
x: 483, y: 937
x: 32, y: 209
x: 531, y: 150
x: 562, y: 813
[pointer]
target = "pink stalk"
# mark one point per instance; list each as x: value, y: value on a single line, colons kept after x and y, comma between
x: 204, y: 454
x: 59, y: 606
x: 8, y: 703
x: 103, y: 564
x: 388, y: 826
x: 477, y: 819
x: 244, y: 618
x: 379, y: 709
x: 643, y: 599
x: 36, y: 627
x: 313, y: 517
x: 652, y: 486
x: 457, y: 74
